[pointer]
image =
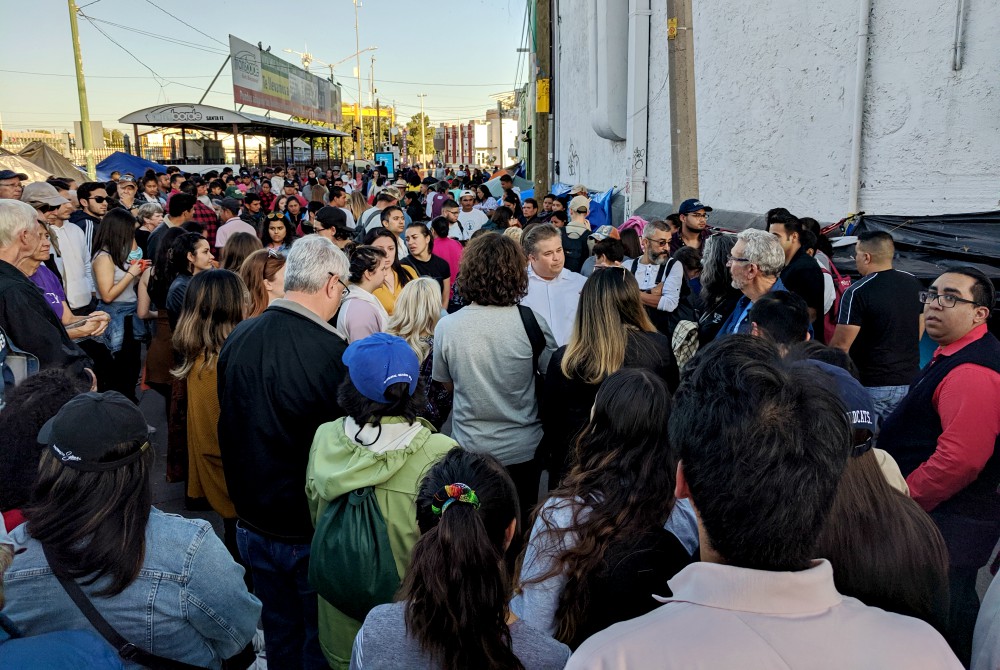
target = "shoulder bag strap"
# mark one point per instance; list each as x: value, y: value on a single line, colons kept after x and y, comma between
x: 635, y: 265
x: 126, y: 650
x: 534, y: 332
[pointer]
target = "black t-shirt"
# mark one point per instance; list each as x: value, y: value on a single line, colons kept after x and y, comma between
x: 803, y: 277
x: 434, y: 266
x: 886, y: 307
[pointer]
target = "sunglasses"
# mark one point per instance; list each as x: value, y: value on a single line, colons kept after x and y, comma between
x: 99, y: 199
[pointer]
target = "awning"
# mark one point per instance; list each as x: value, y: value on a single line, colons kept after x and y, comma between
x: 215, y: 119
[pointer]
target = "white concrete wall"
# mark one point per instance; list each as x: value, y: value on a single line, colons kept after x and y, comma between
x: 775, y: 82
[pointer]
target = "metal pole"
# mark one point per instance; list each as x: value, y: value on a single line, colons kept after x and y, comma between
x: 500, y: 122
x: 423, y: 132
x: 236, y: 144
x: 205, y: 94
x: 357, y: 47
x: 81, y: 89
x: 378, y: 124
x: 135, y: 133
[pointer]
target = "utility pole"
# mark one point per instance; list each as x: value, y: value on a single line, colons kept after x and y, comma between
x: 543, y: 92
x: 423, y: 132
x: 357, y: 47
x: 500, y: 124
x: 81, y: 88
x: 683, y: 117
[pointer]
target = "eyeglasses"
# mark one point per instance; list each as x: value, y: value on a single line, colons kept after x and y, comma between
x: 946, y: 300
x: 659, y: 243
x: 273, y: 253
x: 733, y: 259
x: 343, y: 293
x: 697, y: 215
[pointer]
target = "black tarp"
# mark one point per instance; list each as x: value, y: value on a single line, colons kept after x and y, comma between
x: 927, y: 246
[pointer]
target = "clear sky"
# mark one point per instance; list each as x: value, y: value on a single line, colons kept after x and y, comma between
x: 458, y: 52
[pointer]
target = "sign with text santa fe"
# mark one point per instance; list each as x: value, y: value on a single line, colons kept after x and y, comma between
x: 266, y: 81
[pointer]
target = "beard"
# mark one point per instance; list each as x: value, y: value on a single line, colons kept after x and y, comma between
x: 658, y: 257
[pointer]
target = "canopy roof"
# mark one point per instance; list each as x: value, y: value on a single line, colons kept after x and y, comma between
x: 214, y: 119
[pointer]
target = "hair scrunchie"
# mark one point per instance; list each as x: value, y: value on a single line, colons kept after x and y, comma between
x: 450, y: 493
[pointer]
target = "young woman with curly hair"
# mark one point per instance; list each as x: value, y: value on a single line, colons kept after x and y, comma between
x: 484, y: 352
x: 608, y: 538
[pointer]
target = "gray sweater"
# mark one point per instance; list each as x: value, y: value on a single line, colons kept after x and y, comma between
x: 383, y: 642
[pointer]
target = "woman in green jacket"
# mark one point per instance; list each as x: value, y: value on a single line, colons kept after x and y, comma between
x: 381, y: 444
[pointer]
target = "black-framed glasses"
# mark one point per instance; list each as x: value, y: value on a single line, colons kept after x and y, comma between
x: 733, y: 259
x: 346, y: 289
x: 946, y: 300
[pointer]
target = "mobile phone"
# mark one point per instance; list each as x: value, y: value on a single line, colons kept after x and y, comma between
x: 76, y: 324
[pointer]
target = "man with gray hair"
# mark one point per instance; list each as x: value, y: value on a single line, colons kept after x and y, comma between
x: 755, y: 263
x: 278, y: 378
x: 26, y: 320
x: 661, y: 278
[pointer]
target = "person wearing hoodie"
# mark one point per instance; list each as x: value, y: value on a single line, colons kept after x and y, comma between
x: 361, y: 313
x: 381, y: 443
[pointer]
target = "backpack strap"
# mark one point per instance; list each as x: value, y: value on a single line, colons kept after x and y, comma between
x: 126, y: 650
x: 635, y: 265
x: 535, y: 334
x: 665, y: 270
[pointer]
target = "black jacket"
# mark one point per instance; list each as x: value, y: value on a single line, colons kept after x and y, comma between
x: 278, y: 378
x: 33, y: 327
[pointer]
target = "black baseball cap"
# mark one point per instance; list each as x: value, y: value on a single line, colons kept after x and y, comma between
x: 90, y: 425
x: 331, y: 217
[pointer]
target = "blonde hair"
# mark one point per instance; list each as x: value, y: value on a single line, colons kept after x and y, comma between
x: 513, y: 233
x: 357, y: 204
x: 418, y: 309
x: 610, y: 309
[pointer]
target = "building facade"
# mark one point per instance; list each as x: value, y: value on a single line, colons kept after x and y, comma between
x: 776, y: 104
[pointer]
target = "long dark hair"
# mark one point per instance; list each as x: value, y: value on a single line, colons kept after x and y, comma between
x: 716, y: 282
x: 115, y: 236
x: 32, y: 402
x: 179, y: 250
x: 401, y: 275
x: 624, y: 460
x: 93, y: 524
x: 885, y: 550
x: 163, y: 274
x: 457, y: 588
x: 237, y: 248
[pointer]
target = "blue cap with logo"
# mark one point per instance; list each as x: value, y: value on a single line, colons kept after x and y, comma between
x: 856, y: 398
x: 692, y: 205
x: 379, y: 361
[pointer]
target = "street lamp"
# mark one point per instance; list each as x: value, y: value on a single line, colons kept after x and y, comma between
x: 305, y: 56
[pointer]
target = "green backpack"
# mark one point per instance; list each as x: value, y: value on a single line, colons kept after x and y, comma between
x: 351, y: 563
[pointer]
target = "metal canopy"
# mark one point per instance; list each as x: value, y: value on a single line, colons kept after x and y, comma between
x: 214, y: 119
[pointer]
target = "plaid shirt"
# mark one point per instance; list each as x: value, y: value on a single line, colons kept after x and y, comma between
x: 267, y: 201
x: 206, y: 217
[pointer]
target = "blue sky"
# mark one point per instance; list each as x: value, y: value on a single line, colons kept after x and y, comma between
x: 459, y: 52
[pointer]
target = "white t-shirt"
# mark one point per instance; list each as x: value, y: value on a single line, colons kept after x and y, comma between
x: 73, y: 262
x: 350, y: 217
x: 468, y: 223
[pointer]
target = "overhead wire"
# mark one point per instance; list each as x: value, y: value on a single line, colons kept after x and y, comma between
x: 148, y: 2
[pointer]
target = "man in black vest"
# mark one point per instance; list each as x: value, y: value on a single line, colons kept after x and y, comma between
x: 945, y: 436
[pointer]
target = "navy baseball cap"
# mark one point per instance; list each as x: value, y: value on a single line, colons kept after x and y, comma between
x: 379, y: 361
x: 10, y: 174
x: 89, y: 426
x: 692, y: 205
x: 860, y: 408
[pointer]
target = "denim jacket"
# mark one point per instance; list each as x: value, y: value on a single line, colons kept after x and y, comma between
x: 188, y: 603
x: 114, y: 334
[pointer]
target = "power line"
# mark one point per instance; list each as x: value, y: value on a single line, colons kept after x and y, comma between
x: 186, y: 23
x: 157, y: 36
x: 100, y: 76
x: 136, y: 58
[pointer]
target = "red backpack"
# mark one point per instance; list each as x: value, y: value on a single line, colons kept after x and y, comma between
x: 840, y: 284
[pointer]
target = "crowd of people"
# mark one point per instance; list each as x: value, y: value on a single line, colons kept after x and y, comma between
x: 447, y: 427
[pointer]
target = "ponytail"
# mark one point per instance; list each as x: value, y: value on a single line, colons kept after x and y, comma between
x: 457, y: 587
